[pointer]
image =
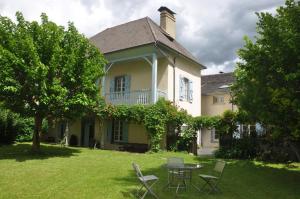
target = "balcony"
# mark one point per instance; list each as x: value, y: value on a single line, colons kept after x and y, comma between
x: 142, y: 96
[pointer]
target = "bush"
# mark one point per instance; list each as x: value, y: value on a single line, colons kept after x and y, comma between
x: 13, y: 127
x: 73, y: 140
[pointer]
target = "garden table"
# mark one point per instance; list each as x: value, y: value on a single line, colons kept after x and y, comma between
x: 186, y: 170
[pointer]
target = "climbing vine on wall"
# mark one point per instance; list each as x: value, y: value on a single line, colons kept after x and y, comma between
x: 157, y: 117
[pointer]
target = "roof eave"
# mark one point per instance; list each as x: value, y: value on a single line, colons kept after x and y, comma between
x: 201, y: 66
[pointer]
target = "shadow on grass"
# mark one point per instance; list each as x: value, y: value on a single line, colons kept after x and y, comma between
x: 253, y: 179
x: 22, y: 152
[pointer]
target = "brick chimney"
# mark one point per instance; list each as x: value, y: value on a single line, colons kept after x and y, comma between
x: 167, y: 21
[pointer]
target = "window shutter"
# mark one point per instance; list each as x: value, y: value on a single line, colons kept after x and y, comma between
x: 109, y: 131
x: 112, y: 88
x: 181, y: 84
x: 191, y: 91
x: 127, y: 83
x: 125, y: 132
x: 127, y: 86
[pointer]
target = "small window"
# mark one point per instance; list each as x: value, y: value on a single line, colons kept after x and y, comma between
x: 214, y: 135
x: 218, y: 99
x: 118, y: 131
x: 120, y: 84
x: 185, y: 89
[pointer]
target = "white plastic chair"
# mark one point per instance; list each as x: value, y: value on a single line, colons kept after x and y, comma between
x: 146, y: 182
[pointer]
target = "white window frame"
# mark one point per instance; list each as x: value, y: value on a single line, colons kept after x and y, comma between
x: 120, y: 84
x: 213, y: 136
x: 186, y: 89
x: 118, y: 131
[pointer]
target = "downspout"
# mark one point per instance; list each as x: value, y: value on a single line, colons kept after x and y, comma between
x: 173, y: 65
x: 174, y: 89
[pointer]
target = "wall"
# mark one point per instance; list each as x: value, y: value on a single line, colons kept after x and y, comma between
x: 211, y: 109
x: 74, y: 128
x: 141, y: 74
x: 208, y: 108
x: 191, y: 71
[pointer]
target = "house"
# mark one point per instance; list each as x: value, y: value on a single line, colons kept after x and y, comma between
x: 216, y: 98
x: 145, y: 63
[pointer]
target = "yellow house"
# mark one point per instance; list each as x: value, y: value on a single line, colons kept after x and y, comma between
x: 145, y: 63
x: 216, y: 99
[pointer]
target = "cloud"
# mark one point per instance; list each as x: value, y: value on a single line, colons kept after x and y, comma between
x: 212, y: 30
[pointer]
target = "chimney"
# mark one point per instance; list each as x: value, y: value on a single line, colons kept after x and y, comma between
x: 167, y: 21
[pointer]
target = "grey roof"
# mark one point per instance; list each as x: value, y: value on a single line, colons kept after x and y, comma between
x: 137, y: 33
x: 216, y: 83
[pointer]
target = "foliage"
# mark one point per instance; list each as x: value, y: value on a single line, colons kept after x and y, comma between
x: 268, y: 75
x: 154, y: 117
x: 47, y: 70
x: 13, y: 127
x: 158, y: 117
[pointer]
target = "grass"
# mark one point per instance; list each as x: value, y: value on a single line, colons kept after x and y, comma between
x: 83, y: 173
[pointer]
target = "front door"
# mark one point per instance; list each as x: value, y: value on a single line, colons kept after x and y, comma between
x: 87, y: 132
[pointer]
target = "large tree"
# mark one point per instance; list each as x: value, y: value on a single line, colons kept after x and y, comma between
x: 267, y: 83
x: 47, y: 70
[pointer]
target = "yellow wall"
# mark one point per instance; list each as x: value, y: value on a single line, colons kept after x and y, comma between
x: 211, y: 109
x: 191, y: 71
x: 74, y: 128
x: 208, y: 108
x: 137, y: 133
x: 141, y: 74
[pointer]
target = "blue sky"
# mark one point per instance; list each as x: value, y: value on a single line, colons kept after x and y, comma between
x: 212, y: 30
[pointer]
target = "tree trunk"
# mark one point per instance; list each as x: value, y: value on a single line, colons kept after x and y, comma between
x: 36, y: 135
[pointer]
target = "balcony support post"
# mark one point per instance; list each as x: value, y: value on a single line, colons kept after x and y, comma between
x: 154, y: 78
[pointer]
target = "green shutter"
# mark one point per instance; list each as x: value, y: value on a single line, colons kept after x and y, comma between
x: 127, y: 86
x: 109, y: 131
x: 127, y: 83
x: 125, y: 132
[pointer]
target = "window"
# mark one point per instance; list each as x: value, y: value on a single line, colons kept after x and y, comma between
x: 214, y: 135
x: 118, y: 131
x: 218, y: 99
x: 120, y: 84
x: 186, y: 89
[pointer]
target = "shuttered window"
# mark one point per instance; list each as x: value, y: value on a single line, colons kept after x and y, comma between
x: 185, y: 89
x: 117, y: 131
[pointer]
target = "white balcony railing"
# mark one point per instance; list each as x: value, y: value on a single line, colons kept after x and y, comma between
x: 142, y: 96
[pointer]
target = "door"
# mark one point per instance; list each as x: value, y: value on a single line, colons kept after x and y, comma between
x: 87, y: 132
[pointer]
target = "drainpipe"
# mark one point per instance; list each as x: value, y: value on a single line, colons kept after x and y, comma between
x: 174, y: 89
x: 173, y: 65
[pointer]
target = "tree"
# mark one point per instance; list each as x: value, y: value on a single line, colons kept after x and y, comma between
x: 47, y: 70
x: 267, y: 83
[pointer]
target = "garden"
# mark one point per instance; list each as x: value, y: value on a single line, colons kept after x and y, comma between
x: 60, y: 172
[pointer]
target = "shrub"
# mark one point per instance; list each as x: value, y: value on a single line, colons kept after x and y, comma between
x: 13, y: 127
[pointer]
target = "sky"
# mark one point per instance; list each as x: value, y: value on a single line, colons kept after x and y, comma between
x: 212, y: 30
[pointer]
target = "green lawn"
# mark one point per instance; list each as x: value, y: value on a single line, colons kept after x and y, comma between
x: 84, y: 173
